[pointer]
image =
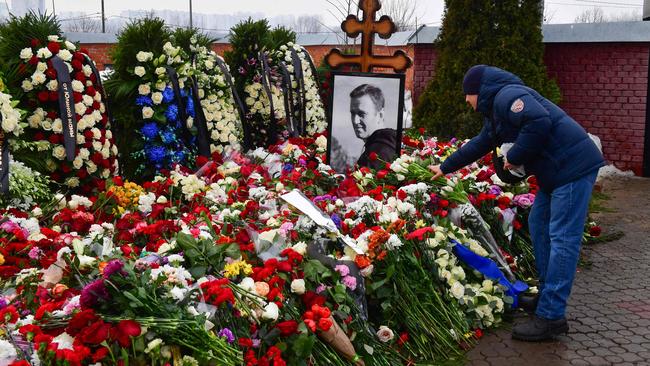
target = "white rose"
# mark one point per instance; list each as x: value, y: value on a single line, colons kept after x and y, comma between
x: 457, y: 290
x: 72, y: 182
x: 69, y: 45
x: 77, y: 86
x: 298, y: 286
x: 9, y: 124
x: 157, y: 97
x: 43, y: 53
x: 142, y: 56
x: 57, y: 125
x: 65, y: 55
x: 26, y: 53
x: 300, y: 247
x: 77, y: 163
x: 271, y: 312
x: 27, y: 85
x: 52, y: 85
x: 144, y: 89
x: 147, y: 112
x: 140, y: 71
x: 41, y: 67
x: 38, y: 78
x: 80, y: 108
x: 385, y: 334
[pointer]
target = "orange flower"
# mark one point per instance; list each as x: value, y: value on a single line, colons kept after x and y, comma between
x: 362, y: 261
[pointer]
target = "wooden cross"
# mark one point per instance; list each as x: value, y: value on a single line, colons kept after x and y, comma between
x: 352, y: 26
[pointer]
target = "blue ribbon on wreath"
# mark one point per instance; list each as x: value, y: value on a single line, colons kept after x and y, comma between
x: 489, y: 269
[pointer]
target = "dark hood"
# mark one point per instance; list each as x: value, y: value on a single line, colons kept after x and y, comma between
x: 492, y: 81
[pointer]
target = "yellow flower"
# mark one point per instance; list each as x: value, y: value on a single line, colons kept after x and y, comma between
x: 236, y: 268
x: 2, y: 259
x: 420, y: 224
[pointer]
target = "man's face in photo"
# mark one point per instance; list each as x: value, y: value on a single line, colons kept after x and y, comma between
x: 366, y: 119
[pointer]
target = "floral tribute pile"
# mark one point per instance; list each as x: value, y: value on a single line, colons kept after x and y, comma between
x: 217, y: 268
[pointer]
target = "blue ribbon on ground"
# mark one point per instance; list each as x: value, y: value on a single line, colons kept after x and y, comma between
x: 489, y: 269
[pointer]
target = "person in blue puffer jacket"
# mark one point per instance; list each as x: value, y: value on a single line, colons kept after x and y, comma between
x: 559, y: 152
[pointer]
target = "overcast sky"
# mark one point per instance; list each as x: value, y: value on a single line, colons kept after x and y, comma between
x: 557, y: 11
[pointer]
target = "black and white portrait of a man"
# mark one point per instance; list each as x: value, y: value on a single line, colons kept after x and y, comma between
x: 366, y: 120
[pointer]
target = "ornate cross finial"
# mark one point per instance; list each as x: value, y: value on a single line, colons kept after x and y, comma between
x: 352, y: 26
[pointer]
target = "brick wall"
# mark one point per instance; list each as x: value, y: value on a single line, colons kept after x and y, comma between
x: 424, y: 69
x: 604, y: 87
x: 99, y: 52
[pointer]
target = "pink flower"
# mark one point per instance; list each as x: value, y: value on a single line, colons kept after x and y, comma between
x: 342, y: 269
x: 350, y: 282
x: 35, y: 253
x: 524, y: 200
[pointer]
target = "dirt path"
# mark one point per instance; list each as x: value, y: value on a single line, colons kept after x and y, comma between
x: 609, y: 308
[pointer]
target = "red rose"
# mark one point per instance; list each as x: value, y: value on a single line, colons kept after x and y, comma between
x: 96, y: 333
x: 124, y: 331
x: 50, y: 73
x: 325, y: 324
x: 76, y: 64
x: 245, y: 342
x: 54, y: 47
x: 43, y: 96
x: 287, y: 328
x: 595, y: 231
x: 35, y: 42
x: 372, y: 156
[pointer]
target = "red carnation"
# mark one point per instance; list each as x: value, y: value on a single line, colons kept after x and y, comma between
x: 325, y: 324
x: 35, y: 42
x: 419, y: 233
x: 76, y: 64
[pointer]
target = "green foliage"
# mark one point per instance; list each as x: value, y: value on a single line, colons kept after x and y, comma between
x: 183, y: 38
x: 18, y: 33
x: 506, y: 34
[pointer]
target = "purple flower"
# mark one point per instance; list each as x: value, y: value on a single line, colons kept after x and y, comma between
x: 252, y: 61
x: 114, y: 267
x: 350, y: 282
x: 227, y: 333
x: 342, y: 269
x: 256, y: 343
x: 241, y: 70
x: 495, y: 190
x: 321, y: 288
x: 93, y: 293
x: 524, y: 200
x: 3, y: 303
x: 257, y: 78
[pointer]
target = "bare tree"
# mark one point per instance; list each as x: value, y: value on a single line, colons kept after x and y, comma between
x: 593, y: 15
x: 634, y: 15
x: 82, y: 24
x: 308, y: 24
x: 402, y: 12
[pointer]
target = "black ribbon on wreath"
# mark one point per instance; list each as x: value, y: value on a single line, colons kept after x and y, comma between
x: 173, y: 78
x: 271, y: 134
x: 199, y: 120
x: 300, y: 79
x: 66, y: 107
x: 4, y: 163
x: 288, y: 100
x: 247, y: 143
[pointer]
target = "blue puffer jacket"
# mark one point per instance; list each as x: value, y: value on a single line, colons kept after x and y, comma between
x: 550, y: 144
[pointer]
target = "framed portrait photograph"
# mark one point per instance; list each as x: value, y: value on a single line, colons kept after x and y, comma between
x: 365, y: 119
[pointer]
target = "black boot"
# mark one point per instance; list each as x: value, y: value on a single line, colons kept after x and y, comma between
x: 528, y: 302
x: 539, y: 329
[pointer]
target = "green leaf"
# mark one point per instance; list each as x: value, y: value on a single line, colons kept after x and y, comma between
x: 198, y: 271
x: 315, y: 270
x: 303, y: 345
x: 135, y: 302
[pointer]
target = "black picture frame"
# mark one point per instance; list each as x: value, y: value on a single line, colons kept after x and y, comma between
x: 342, y: 136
